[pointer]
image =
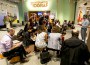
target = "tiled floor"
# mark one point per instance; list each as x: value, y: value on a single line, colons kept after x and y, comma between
x: 33, y: 59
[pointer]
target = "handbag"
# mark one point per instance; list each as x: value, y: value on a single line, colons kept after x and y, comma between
x: 45, y: 57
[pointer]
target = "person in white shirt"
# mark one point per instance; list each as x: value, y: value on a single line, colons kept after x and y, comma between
x: 41, y: 38
x: 2, y: 49
x: 9, y: 46
x: 85, y: 24
x: 54, y: 40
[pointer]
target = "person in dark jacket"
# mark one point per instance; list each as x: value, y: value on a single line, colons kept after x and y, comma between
x: 27, y: 39
x: 74, y: 51
x: 27, y: 26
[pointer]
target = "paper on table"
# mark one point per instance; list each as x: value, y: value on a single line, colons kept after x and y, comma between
x: 16, y: 41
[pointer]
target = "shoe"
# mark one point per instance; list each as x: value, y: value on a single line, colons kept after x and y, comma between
x: 23, y: 61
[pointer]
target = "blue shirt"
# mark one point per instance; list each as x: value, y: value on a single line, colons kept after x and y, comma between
x: 85, y: 23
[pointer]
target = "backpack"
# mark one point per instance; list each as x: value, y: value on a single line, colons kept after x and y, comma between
x: 45, y: 57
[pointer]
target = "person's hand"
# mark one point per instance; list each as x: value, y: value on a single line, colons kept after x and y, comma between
x: 16, y: 45
x: 80, y: 24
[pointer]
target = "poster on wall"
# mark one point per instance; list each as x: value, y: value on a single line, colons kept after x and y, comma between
x: 80, y: 16
x: 82, y: 11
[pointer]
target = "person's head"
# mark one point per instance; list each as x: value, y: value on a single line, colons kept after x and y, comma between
x: 63, y: 33
x: 55, y: 29
x: 65, y: 21
x: 72, y: 22
x: 11, y: 31
x: 75, y: 33
x: 41, y: 28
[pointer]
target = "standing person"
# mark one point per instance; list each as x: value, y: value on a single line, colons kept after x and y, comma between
x: 7, y: 22
x: 74, y: 51
x: 85, y: 24
x: 12, y: 48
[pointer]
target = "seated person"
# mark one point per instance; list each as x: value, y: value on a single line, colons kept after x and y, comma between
x: 33, y: 35
x: 54, y: 40
x: 74, y: 51
x: 69, y: 24
x: 2, y: 49
x: 72, y: 25
x: 27, y: 39
x: 41, y: 37
x: 49, y: 27
x: 19, y: 35
x: 65, y: 25
x: 27, y: 26
x: 7, y: 42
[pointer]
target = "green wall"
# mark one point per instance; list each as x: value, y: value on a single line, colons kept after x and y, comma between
x: 21, y: 12
x: 64, y: 9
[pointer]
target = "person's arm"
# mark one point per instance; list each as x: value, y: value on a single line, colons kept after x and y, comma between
x: 62, y: 38
x: 62, y: 49
x: 46, y: 37
x: 86, y: 23
x: 16, y: 45
x: 10, y: 45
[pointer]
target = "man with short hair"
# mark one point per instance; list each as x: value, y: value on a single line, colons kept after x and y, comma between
x: 85, y: 24
x: 12, y: 48
x: 74, y: 51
